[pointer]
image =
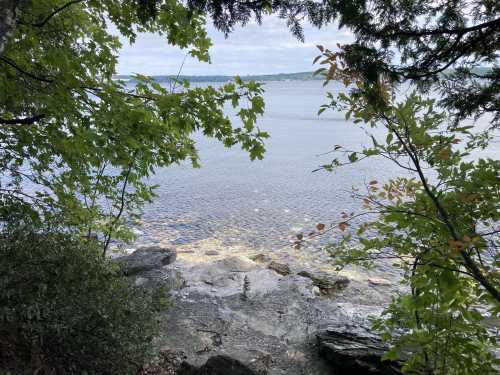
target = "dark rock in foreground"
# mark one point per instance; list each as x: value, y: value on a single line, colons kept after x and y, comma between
x: 218, y: 365
x: 355, y: 351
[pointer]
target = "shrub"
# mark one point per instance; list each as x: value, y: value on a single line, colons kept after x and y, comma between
x: 65, y: 309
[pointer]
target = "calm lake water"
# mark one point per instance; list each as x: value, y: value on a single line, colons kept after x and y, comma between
x: 260, y: 204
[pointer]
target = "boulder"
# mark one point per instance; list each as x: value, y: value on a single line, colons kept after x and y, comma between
x: 281, y: 268
x: 327, y: 283
x: 147, y: 259
x: 353, y: 350
x: 218, y: 365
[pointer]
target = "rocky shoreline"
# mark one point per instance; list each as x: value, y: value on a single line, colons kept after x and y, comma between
x: 254, y: 315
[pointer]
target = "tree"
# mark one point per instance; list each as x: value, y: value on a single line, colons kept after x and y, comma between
x: 439, y: 222
x: 73, y: 138
x: 435, y: 44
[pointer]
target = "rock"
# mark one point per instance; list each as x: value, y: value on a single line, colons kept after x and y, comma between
x: 327, y: 283
x: 274, y: 332
x: 351, y: 350
x: 260, y: 258
x: 211, y: 252
x: 218, y: 365
x: 374, y: 281
x: 282, y: 269
x: 236, y: 264
x: 146, y: 259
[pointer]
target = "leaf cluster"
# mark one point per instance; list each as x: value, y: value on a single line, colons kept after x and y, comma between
x: 75, y: 140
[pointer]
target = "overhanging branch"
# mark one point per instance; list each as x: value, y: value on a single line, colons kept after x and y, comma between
x: 21, y: 121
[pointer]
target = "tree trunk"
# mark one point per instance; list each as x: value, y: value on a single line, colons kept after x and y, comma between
x: 9, y: 10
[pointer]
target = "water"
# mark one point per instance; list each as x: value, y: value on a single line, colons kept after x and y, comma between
x: 262, y: 204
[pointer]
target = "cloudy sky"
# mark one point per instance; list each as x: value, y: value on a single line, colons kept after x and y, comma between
x: 266, y: 49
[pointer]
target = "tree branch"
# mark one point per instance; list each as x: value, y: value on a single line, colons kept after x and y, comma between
x: 457, y: 31
x: 61, y: 8
x: 21, y: 121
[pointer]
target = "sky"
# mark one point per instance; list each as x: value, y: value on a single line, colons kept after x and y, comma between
x: 266, y: 49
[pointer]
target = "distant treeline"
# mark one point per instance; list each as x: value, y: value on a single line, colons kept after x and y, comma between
x: 301, y: 76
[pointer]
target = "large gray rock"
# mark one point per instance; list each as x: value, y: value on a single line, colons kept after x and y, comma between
x: 271, y: 332
x: 218, y: 365
x: 147, y: 259
x: 353, y: 350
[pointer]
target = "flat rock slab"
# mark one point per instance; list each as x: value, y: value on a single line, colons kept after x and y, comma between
x: 272, y: 331
x: 355, y: 351
x: 147, y: 259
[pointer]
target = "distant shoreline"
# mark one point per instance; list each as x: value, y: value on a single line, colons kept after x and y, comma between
x: 283, y: 77
x: 301, y: 76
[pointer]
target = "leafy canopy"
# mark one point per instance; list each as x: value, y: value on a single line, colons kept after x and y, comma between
x: 436, y: 44
x: 439, y: 221
x: 75, y: 140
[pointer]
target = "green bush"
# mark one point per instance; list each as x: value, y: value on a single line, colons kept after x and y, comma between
x: 65, y: 309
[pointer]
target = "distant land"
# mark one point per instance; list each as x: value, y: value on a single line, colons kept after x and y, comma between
x: 301, y: 76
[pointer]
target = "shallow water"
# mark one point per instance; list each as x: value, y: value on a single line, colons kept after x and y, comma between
x: 261, y: 204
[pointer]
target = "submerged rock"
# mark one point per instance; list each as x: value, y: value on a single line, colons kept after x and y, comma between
x: 260, y: 258
x: 212, y: 252
x: 352, y: 350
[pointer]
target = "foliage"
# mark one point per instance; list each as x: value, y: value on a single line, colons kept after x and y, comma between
x: 75, y: 140
x: 64, y: 309
x: 437, y: 44
x: 438, y: 223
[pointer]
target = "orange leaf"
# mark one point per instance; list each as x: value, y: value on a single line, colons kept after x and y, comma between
x: 444, y: 155
x: 320, y: 226
x: 374, y: 182
x: 343, y: 226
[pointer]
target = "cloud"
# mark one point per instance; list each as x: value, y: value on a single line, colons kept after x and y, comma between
x: 254, y: 49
